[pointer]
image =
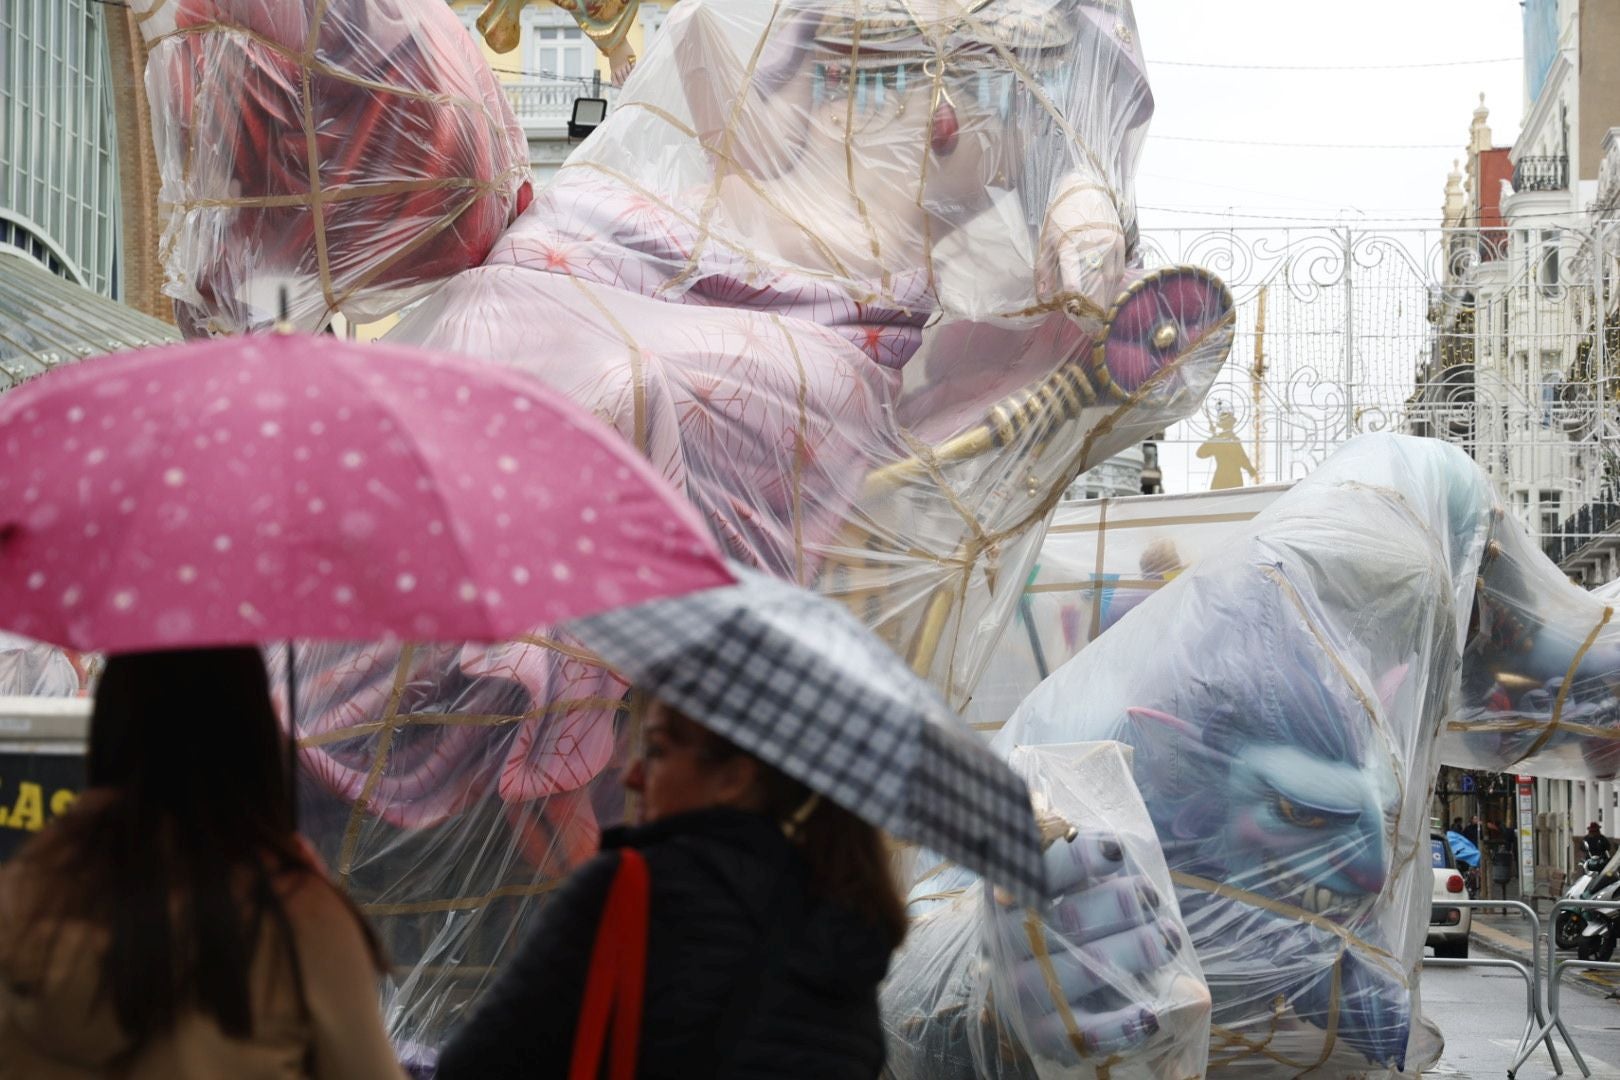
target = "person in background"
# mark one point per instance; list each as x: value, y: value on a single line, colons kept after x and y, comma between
x: 172, y: 924
x: 773, y: 914
x: 1595, y: 844
x: 1471, y: 830
x: 1456, y: 826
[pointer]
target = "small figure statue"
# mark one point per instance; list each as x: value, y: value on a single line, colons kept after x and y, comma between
x: 1231, y: 462
x: 606, y: 22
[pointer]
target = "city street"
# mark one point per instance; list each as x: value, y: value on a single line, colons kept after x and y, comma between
x: 519, y: 502
x: 1481, y: 1013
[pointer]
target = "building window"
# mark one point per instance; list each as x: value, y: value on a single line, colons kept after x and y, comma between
x: 1551, y: 517
x: 652, y: 25
x: 58, y: 141
x: 557, y: 52
x: 1547, y: 272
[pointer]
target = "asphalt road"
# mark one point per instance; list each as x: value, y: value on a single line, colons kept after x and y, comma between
x: 1481, y: 1013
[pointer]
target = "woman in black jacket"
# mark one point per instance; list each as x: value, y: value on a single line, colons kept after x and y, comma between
x: 772, y: 918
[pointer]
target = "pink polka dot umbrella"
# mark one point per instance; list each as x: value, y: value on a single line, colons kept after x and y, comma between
x: 264, y: 488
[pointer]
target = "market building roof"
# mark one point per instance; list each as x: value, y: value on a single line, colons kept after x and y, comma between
x: 46, y: 320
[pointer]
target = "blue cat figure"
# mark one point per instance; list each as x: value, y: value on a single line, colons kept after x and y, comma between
x: 1283, y: 700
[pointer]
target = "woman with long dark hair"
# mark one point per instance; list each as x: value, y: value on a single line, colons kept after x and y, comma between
x: 772, y: 915
x: 172, y: 924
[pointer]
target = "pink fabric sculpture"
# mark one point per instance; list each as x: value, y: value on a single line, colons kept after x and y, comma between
x: 860, y: 278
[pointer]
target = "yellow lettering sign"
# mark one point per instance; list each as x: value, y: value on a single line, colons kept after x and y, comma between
x: 28, y: 812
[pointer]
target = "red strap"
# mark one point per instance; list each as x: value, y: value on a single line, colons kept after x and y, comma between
x: 617, y: 979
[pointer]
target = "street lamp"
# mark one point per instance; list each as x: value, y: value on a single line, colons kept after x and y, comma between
x: 588, y: 113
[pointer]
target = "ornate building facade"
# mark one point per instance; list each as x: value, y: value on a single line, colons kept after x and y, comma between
x: 59, y: 181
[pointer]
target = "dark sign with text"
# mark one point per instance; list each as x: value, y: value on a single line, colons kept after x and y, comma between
x: 34, y: 788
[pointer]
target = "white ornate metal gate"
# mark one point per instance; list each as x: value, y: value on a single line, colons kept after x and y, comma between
x: 1488, y: 338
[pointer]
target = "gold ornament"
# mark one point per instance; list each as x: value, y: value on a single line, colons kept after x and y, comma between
x: 605, y: 22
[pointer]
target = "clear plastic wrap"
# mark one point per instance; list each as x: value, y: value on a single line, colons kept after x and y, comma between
x: 1283, y: 697
x: 450, y: 789
x: 858, y: 277
x: 1097, y: 983
x: 1541, y: 676
x: 353, y: 153
x: 1099, y: 560
x: 34, y: 669
x: 1533, y: 630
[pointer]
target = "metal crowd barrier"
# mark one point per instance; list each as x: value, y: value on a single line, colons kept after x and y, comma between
x: 1536, y: 1028
x: 1555, y: 969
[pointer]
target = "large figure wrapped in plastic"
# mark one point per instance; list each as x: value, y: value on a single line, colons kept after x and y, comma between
x: 856, y: 275
x: 1328, y: 646
x: 1541, y: 678
x: 348, y: 159
x: 1283, y: 698
x: 1099, y: 982
x: 1099, y: 560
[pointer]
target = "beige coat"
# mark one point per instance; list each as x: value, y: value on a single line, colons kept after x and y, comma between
x: 52, y: 1027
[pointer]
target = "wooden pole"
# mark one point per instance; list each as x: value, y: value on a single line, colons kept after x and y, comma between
x: 138, y: 178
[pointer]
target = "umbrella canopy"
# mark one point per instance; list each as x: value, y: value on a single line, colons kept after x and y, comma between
x: 793, y: 679
x: 251, y: 489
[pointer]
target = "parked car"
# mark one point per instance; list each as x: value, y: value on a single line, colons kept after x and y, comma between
x: 1449, y: 925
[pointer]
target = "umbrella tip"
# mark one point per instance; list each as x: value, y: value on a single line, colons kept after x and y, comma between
x: 283, y: 315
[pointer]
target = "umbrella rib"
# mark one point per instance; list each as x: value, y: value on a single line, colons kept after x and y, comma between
x: 427, y: 467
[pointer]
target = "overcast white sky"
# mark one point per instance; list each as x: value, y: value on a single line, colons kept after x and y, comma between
x: 1425, y: 105
x: 1233, y: 183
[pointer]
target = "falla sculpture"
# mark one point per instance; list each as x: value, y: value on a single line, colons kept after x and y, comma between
x: 861, y: 278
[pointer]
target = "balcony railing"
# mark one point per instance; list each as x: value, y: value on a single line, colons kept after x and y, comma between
x: 1493, y: 244
x: 1582, y: 527
x: 1541, y: 174
x: 550, y: 102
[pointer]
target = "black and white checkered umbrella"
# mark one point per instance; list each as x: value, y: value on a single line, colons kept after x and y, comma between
x: 793, y: 679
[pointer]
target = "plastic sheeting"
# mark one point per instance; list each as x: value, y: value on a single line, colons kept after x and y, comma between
x: 1541, y: 677
x: 1534, y: 631
x: 352, y: 153
x: 1096, y: 983
x: 1263, y: 700
x: 861, y: 285
x: 859, y: 278
x: 33, y: 669
x: 1283, y: 698
x: 1099, y: 560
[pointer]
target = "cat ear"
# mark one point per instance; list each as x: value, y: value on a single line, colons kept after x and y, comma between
x: 1214, y: 735
x: 1170, y: 753
x: 1148, y: 718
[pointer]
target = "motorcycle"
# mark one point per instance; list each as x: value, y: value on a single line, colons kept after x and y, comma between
x: 1597, y: 940
x: 1570, y: 922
